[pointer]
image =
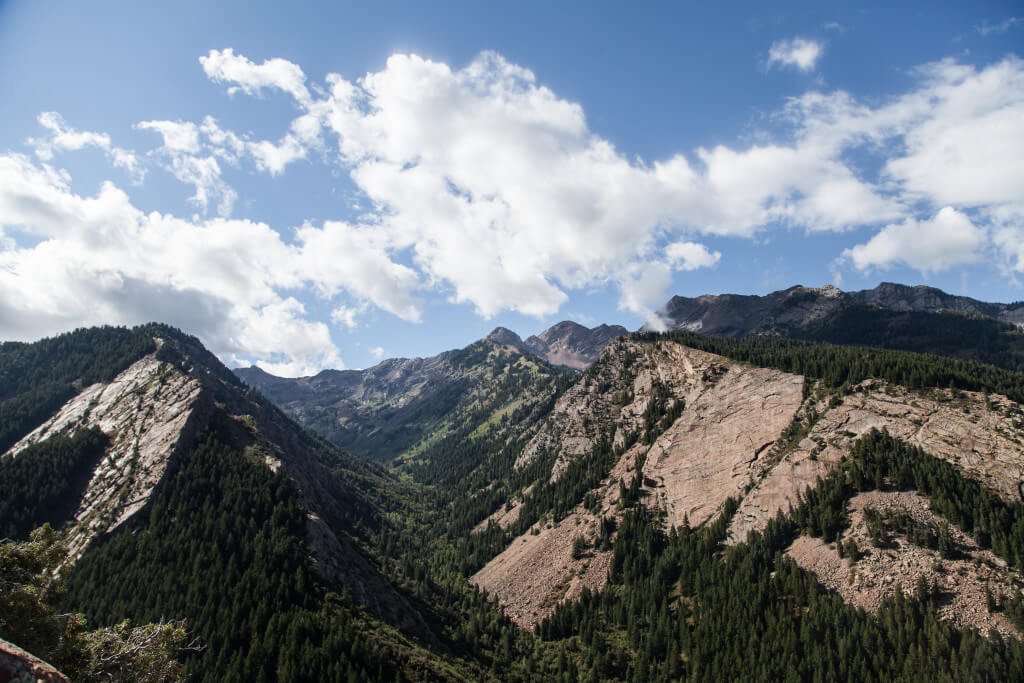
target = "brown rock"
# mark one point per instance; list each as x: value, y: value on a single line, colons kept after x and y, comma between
x: 18, y: 666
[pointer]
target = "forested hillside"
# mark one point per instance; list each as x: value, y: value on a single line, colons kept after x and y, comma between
x: 652, y: 512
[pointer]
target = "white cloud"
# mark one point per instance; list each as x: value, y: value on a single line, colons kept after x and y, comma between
x: 274, y: 158
x: 102, y: 261
x: 62, y: 137
x: 340, y: 256
x: 182, y: 153
x: 347, y: 315
x: 965, y: 142
x: 449, y: 160
x: 799, y: 53
x: 377, y: 352
x: 643, y: 291
x: 179, y: 136
x: 487, y: 187
x: 224, y: 66
x: 986, y: 28
x: 947, y: 240
x: 691, y: 256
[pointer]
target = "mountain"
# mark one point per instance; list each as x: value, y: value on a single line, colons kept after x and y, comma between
x: 919, y: 318
x: 801, y: 307
x: 400, y: 404
x: 184, y: 494
x: 565, y: 343
x: 687, y: 507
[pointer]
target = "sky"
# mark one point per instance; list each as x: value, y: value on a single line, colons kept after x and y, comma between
x: 322, y: 185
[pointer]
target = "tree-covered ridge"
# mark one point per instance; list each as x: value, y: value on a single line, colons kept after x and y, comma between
x: 221, y: 545
x: 957, y: 335
x: 844, y: 366
x: 45, y: 481
x: 37, y: 379
x: 680, y: 605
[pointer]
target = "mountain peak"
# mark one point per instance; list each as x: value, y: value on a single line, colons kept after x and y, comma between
x: 571, y: 344
x: 800, y: 310
x: 503, y: 335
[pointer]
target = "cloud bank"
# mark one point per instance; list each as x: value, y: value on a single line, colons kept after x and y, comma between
x: 489, y: 188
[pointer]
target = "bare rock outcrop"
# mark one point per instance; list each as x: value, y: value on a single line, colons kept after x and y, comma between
x: 146, y: 411
x: 732, y: 414
x: 537, y: 571
x: 19, y: 666
x: 960, y: 584
x: 978, y: 435
x: 709, y: 453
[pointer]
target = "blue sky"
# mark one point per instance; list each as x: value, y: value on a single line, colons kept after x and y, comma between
x: 324, y: 184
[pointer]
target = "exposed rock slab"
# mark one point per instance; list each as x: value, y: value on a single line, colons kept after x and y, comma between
x: 17, y: 665
x: 537, y: 571
x: 985, y: 444
x: 708, y: 454
x: 146, y: 411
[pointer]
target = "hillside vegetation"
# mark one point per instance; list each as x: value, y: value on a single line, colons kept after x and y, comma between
x: 666, y: 491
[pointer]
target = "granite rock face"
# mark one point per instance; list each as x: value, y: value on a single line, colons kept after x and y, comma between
x: 148, y: 412
x: 732, y: 414
x: 738, y: 435
x: 980, y: 436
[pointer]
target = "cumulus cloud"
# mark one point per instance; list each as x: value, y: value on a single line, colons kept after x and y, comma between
x: 691, y: 256
x: 965, y: 139
x: 100, y: 260
x: 949, y: 239
x: 799, y: 53
x: 486, y: 186
x: 181, y: 152
x: 224, y: 66
x: 348, y: 315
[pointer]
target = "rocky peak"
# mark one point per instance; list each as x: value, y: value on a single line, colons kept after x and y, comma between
x: 571, y: 344
x: 503, y: 335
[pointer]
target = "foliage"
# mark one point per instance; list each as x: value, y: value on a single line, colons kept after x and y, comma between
x: 222, y: 546
x: 681, y: 606
x: 45, y: 480
x: 29, y: 595
x: 957, y: 335
x: 37, y: 379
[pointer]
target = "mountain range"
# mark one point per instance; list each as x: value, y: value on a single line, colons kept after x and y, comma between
x: 587, y: 504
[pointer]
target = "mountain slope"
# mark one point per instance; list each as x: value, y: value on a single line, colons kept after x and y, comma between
x: 758, y: 437
x: 401, y: 405
x: 205, y: 503
x: 649, y: 518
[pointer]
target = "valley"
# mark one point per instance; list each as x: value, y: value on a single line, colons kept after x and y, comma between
x: 497, y: 512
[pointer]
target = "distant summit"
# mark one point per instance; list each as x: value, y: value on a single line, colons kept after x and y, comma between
x: 801, y: 308
x: 565, y: 343
x: 892, y: 316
